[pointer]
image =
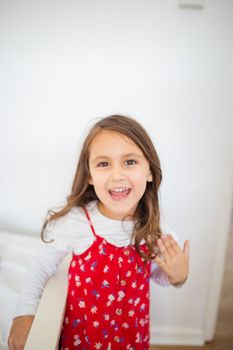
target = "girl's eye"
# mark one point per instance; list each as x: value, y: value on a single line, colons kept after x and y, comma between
x: 131, y: 162
x: 128, y: 162
x: 102, y: 164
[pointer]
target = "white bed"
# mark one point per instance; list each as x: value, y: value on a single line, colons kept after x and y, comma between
x: 16, y: 254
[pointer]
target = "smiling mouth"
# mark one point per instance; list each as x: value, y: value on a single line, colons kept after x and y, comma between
x: 119, y: 193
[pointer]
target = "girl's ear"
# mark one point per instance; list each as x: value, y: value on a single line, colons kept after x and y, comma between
x: 149, y: 177
x: 90, y: 181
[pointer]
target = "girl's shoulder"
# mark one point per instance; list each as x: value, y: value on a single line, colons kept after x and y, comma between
x: 67, y: 227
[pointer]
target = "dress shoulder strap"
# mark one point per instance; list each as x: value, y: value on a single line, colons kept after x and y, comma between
x: 89, y: 220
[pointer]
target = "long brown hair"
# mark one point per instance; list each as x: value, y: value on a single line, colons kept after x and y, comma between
x: 147, y: 214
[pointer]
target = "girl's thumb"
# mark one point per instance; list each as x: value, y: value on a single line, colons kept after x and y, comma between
x: 186, y: 249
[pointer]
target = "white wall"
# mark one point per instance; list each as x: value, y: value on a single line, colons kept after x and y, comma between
x: 64, y: 63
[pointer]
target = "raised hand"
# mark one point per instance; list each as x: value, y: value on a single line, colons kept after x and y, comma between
x: 173, y: 260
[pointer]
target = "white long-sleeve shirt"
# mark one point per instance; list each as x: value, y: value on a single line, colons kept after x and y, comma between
x: 72, y: 234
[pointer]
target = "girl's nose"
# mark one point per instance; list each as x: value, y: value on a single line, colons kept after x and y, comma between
x: 117, y: 174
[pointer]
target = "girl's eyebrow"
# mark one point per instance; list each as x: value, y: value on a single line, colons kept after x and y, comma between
x: 123, y: 156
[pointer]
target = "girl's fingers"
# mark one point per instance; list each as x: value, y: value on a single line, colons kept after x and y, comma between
x: 168, y: 242
x: 186, y: 248
x: 163, y: 249
x: 161, y: 263
x: 174, y: 244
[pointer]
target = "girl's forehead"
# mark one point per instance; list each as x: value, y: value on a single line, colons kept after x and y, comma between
x: 107, y: 141
x: 109, y: 144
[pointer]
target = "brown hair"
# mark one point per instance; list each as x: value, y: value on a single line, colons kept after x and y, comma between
x: 147, y: 214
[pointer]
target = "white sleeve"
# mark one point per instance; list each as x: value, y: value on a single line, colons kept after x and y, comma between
x: 44, y: 266
x: 157, y: 274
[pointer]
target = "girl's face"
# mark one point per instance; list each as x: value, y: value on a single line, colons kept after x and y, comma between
x: 119, y: 173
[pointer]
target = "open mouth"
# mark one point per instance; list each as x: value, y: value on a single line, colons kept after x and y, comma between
x: 119, y: 193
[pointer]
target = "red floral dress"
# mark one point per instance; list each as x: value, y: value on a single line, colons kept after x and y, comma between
x: 108, y: 299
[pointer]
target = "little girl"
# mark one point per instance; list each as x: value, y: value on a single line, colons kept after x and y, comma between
x: 111, y: 223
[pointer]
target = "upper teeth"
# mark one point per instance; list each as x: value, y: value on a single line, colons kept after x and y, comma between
x: 121, y: 189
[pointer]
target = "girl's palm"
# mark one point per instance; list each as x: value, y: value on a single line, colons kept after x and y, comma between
x: 173, y: 260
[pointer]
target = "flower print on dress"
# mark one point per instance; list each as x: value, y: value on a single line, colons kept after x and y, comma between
x: 105, y: 284
x: 120, y: 260
x: 77, y: 279
x: 102, y: 250
x: 142, y: 322
x: 131, y: 259
x: 81, y: 304
x: 76, y: 322
x: 105, y: 333
x: 106, y: 269
x: 95, y: 293
x: 127, y: 252
x: 87, y: 340
x: 112, y: 322
x: 123, y: 282
x: 96, y: 324
x: 125, y: 325
x: 88, y: 257
x: 138, y: 338
x: 119, y: 311
x: 93, y: 265
x: 107, y: 317
x: 73, y: 264
x: 98, y: 345
x: 94, y: 309
x: 134, y: 284
x: 82, y: 267
x: 117, y: 339
x: 128, y: 273
x: 139, y: 269
x: 131, y: 313
x: 77, y: 340
x: 121, y: 295
x: 111, y: 298
x: 142, y: 307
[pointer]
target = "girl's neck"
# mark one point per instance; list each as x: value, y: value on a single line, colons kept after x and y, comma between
x: 104, y: 213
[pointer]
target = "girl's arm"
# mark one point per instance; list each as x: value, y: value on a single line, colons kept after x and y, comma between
x: 159, y: 276
x: 19, y: 332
